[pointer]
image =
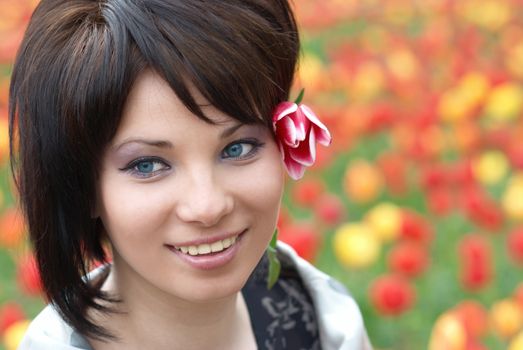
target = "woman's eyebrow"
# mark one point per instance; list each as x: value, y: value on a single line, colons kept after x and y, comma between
x: 154, y: 143
x: 231, y: 130
x: 166, y: 144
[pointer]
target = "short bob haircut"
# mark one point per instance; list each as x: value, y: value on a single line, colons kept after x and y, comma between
x: 74, y: 69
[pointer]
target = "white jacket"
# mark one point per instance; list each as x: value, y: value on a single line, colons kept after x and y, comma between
x: 340, y: 323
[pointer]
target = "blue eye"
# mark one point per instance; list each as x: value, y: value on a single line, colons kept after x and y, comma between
x: 146, y: 167
x: 241, y: 149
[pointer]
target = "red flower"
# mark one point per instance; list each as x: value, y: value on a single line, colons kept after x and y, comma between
x: 473, y: 344
x: 462, y: 175
x: 497, y: 138
x: 515, y: 245
x: 408, y: 258
x: 435, y: 176
x: 307, y: 191
x: 415, y: 227
x: 515, y: 154
x: 28, y: 276
x: 440, y: 201
x: 392, y: 295
x: 302, y: 237
x: 382, y: 117
x: 518, y: 295
x: 394, y: 169
x: 297, y: 129
x: 330, y: 209
x: 12, y: 228
x: 474, y: 317
x: 481, y: 209
x: 475, y: 262
x: 10, y: 313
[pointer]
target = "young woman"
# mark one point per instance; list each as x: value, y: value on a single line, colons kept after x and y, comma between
x: 156, y: 132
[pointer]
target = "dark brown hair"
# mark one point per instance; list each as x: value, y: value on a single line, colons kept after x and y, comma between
x: 74, y: 69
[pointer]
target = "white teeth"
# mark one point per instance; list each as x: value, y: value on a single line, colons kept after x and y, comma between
x: 204, y: 249
x: 193, y: 250
x: 217, y: 246
x: 208, y: 248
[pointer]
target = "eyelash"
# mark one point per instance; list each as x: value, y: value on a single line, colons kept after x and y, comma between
x: 256, y: 146
x: 131, y: 167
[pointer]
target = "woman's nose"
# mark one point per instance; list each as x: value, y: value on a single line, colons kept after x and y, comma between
x: 205, y: 200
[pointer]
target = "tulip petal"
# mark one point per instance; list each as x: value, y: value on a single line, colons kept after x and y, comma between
x: 295, y: 169
x: 324, y: 136
x: 302, y: 124
x: 282, y: 151
x: 305, y: 153
x: 287, y: 132
x: 283, y: 109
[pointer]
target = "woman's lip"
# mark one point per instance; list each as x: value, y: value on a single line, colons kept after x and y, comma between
x: 207, y: 240
x: 212, y: 260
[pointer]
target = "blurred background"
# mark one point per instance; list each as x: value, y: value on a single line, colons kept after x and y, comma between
x: 417, y: 207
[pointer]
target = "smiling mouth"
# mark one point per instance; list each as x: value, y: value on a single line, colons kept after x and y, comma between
x: 208, y: 248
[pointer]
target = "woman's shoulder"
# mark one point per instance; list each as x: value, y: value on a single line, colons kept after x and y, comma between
x: 49, y: 331
x: 340, y: 322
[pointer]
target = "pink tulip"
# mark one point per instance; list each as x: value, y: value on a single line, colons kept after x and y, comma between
x: 298, y: 129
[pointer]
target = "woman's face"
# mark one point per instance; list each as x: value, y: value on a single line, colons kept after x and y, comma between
x: 189, y: 207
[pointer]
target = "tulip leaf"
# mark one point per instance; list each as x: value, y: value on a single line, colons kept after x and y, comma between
x: 300, y: 96
x: 274, y: 263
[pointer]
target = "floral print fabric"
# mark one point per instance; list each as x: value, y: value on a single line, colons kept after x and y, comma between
x: 284, y: 316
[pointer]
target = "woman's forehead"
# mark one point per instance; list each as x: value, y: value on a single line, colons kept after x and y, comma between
x: 151, y: 93
x: 153, y: 111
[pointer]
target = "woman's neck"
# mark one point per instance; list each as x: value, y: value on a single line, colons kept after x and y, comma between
x: 147, y: 320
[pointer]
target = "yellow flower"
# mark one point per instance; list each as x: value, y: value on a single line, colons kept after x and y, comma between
x: 4, y: 140
x: 398, y: 12
x: 402, y: 64
x: 460, y: 101
x: 517, y: 342
x: 355, y: 245
x: 311, y: 71
x: 504, y: 102
x: 14, y: 334
x: 363, y: 181
x: 475, y: 86
x: 506, y: 318
x: 448, y: 333
x: 368, y: 82
x: 513, y: 60
x: 491, y: 167
x: 511, y: 199
x: 489, y: 14
x: 385, y: 221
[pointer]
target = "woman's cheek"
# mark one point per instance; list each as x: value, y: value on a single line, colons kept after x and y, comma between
x: 266, y: 190
x: 131, y: 209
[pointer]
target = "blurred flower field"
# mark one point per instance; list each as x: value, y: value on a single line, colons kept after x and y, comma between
x: 418, y: 204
